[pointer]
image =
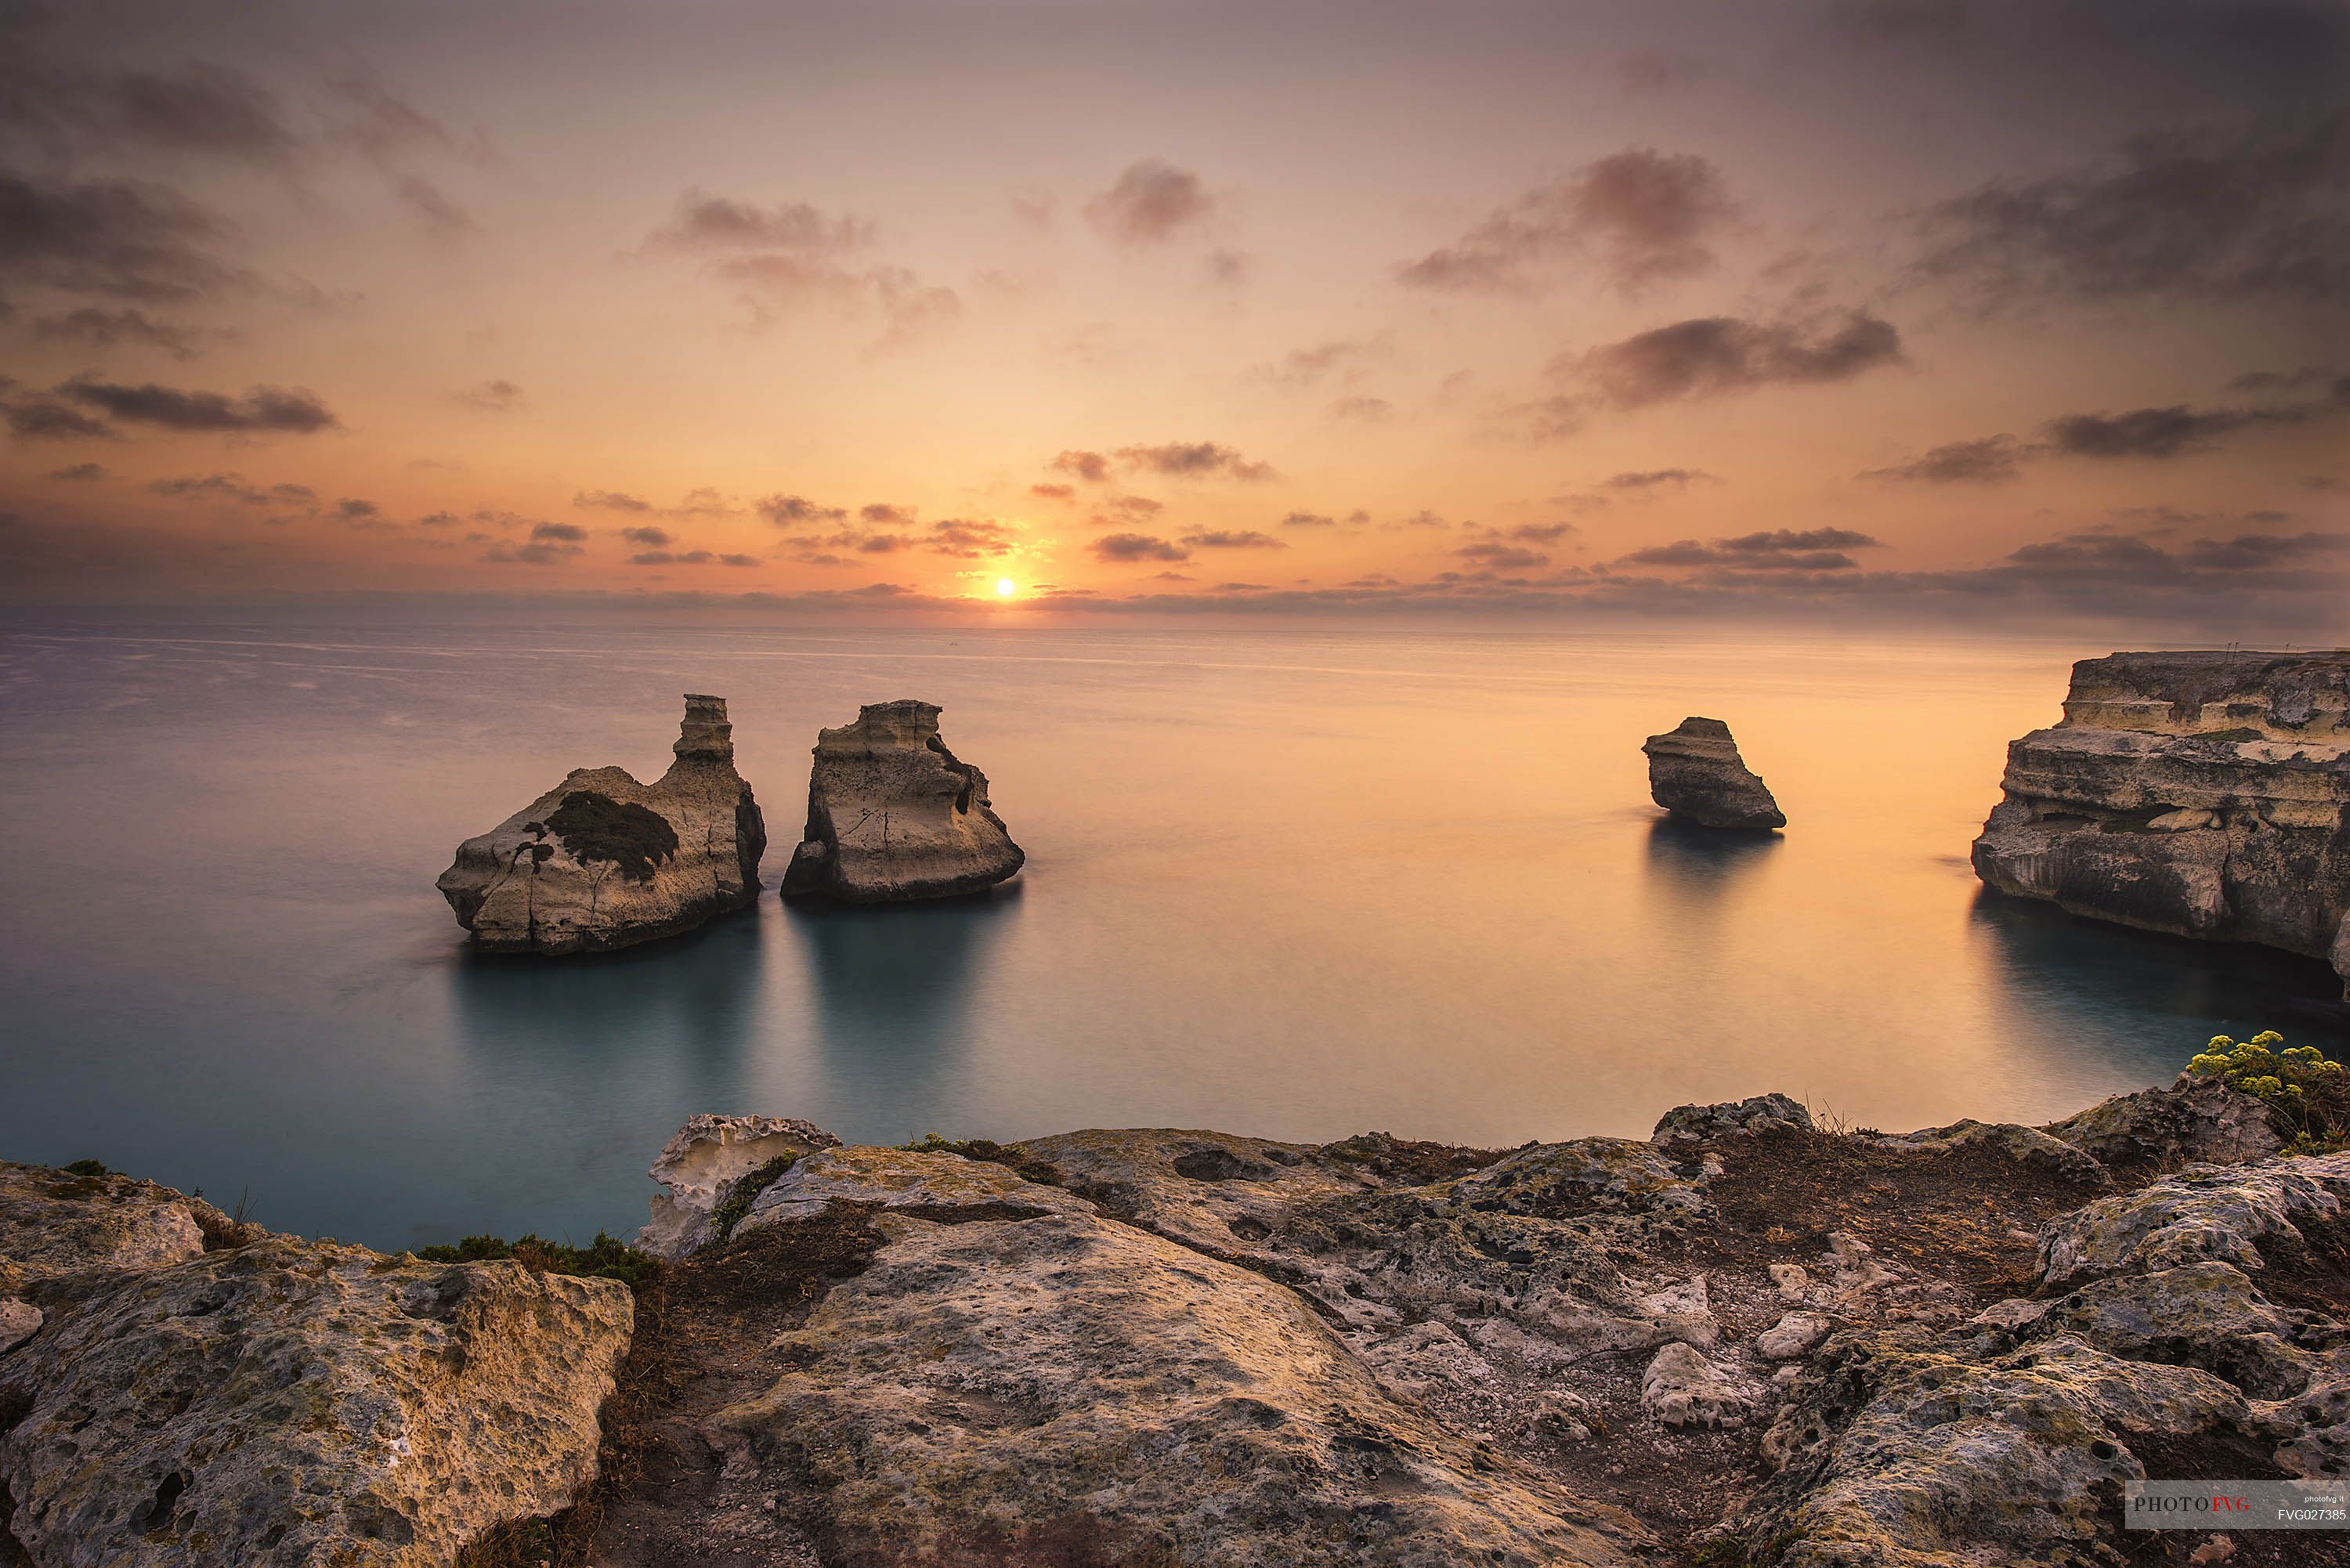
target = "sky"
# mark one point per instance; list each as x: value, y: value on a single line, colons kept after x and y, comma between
x: 1833, y: 310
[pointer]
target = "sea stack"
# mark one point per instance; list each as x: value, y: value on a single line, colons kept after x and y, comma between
x: 894, y: 815
x: 2204, y: 794
x: 601, y: 861
x: 1695, y: 773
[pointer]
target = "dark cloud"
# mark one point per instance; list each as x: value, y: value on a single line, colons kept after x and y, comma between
x: 562, y: 532
x: 273, y: 410
x: 688, y: 559
x: 1646, y: 216
x: 1989, y: 460
x: 234, y: 487
x: 1196, y: 459
x: 652, y: 538
x: 1772, y: 550
x: 352, y: 510
x: 91, y: 327
x: 1090, y: 466
x: 880, y: 544
x: 1136, y: 548
x: 1234, y: 539
x: 2308, y: 376
x: 1713, y: 354
x: 1542, y: 532
x: 2262, y: 213
x: 131, y: 240
x: 1499, y: 556
x: 1659, y: 478
x: 77, y: 471
x: 611, y: 500
x: 786, y: 511
x: 2262, y: 552
x: 46, y: 418
x: 1153, y: 202
x: 2157, y: 432
x: 703, y: 222
x: 203, y: 110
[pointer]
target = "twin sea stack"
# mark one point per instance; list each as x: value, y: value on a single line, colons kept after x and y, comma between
x: 601, y: 861
x: 893, y: 814
x: 2204, y: 794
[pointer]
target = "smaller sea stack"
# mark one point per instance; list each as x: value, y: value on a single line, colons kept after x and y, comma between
x: 895, y: 816
x: 1695, y: 773
x: 601, y: 861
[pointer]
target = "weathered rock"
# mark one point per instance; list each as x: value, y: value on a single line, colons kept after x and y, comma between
x: 1763, y: 1113
x: 1000, y: 1389
x: 901, y: 1179
x: 303, y: 1403
x: 19, y: 1321
x: 704, y: 1158
x: 1695, y: 773
x: 2194, y: 1119
x: 2205, y: 793
x: 2230, y: 1213
x: 2026, y: 1146
x: 601, y: 861
x: 893, y: 814
x: 56, y: 1222
x: 1792, y: 1336
x: 1683, y: 1388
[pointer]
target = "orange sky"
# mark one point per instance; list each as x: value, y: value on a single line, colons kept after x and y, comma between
x: 2010, y: 311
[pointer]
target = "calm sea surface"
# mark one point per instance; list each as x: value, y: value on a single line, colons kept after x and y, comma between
x: 1300, y: 884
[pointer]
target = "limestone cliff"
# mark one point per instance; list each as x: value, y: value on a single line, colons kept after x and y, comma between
x: 1695, y: 773
x: 2205, y: 793
x: 893, y: 814
x: 601, y: 861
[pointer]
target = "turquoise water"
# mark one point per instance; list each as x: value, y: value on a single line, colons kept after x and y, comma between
x: 1297, y: 883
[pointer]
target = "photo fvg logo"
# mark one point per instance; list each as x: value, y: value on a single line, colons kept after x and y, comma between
x: 2236, y: 1505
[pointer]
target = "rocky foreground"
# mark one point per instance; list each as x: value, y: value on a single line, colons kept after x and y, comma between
x: 1747, y: 1340
x: 2205, y: 793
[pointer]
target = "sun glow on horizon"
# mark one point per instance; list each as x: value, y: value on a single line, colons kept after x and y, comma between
x: 1005, y: 587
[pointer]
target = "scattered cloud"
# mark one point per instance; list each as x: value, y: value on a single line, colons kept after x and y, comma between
x: 1136, y: 548
x: 497, y: 397
x: 131, y: 240
x: 435, y: 211
x: 2157, y: 432
x: 1772, y: 550
x: 1234, y: 539
x: 1193, y: 460
x: 1053, y: 492
x: 1361, y: 410
x: 1715, y: 355
x: 262, y: 410
x: 1090, y: 466
x: 79, y: 471
x: 652, y: 538
x: 1308, y: 520
x: 793, y: 511
x: 1152, y: 203
x: 561, y: 533
x: 1499, y: 556
x: 1645, y: 217
x: 611, y: 500
x: 236, y: 488
x: 91, y: 327
x: 1992, y: 460
x: 1653, y: 479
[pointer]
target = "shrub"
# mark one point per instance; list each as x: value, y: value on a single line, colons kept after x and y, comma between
x: 605, y: 1258
x: 85, y: 1168
x: 2308, y: 1095
x: 598, y: 828
x: 732, y: 1209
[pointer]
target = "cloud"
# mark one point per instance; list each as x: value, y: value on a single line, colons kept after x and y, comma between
x: 1715, y: 355
x: 968, y: 540
x: 1774, y: 550
x: 1645, y: 216
x: 1152, y: 203
x: 2157, y: 432
x: 1361, y: 411
x: 1341, y: 358
x: 703, y: 222
x: 1308, y: 520
x: 1658, y: 479
x: 689, y: 558
x: 1090, y: 466
x: 1234, y: 539
x: 1128, y: 509
x: 91, y: 327
x: 1542, y: 532
x: 2294, y: 382
x: 787, y: 510
x: 1499, y: 556
x: 131, y: 240
x: 234, y: 487
x: 611, y: 500
x: 1992, y: 460
x: 882, y: 515
x: 1198, y: 459
x: 262, y: 410
x: 564, y: 533
x: 793, y: 255
x: 1053, y: 492
x: 352, y: 510
x: 1136, y: 548
x: 46, y: 418
x: 432, y: 208
x: 79, y: 471
x: 647, y: 535
x: 539, y: 553
x: 2262, y: 215
x: 497, y: 397
x: 205, y: 109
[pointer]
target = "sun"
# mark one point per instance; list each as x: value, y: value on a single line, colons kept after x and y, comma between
x: 1005, y: 587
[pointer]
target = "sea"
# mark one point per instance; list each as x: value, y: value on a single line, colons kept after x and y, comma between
x: 1300, y: 882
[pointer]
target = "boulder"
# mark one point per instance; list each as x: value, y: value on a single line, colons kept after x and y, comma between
x: 601, y: 861
x: 2026, y: 1146
x: 2230, y: 1213
x: 2195, y: 1119
x: 1792, y: 1336
x: 1763, y: 1113
x: 19, y: 1321
x: 1067, y: 1388
x: 2203, y: 794
x: 1696, y: 773
x: 295, y: 1403
x: 703, y: 1160
x: 1683, y: 1388
x: 894, y: 815
x: 59, y: 1223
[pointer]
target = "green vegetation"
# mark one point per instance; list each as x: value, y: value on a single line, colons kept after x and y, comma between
x: 736, y: 1204
x: 598, y: 828
x: 2308, y: 1095
x: 85, y: 1168
x: 605, y: 1258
